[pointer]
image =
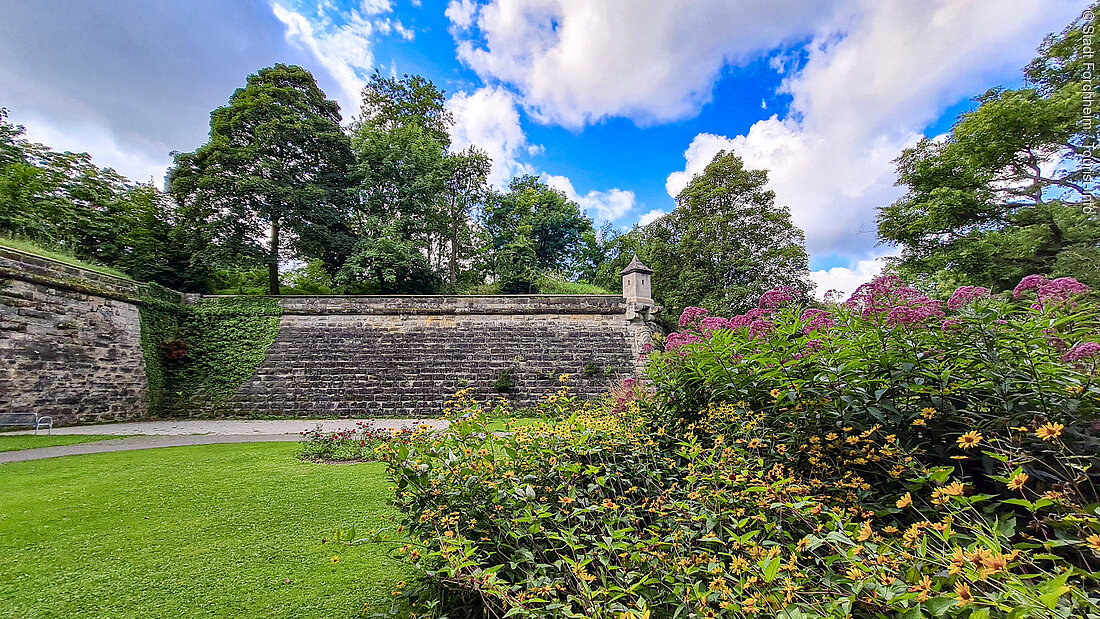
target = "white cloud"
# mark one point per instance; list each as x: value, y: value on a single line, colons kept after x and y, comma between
x: 344, y: 50
x: 873, y: 81
x: 599, y: 205
x: 132, y: 93
x: 651, y: 217
x: 488, y: 118
x: 844, y: 279
x: 576, y: 62
x: 461, y: 13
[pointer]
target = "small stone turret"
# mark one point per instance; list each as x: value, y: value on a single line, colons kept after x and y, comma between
x: 640, y: 310
x: 637, y: 284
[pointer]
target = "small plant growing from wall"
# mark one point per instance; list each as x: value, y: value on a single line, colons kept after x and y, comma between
x: 505, y: 380
x: 462, y: 383
x: 591, y: 369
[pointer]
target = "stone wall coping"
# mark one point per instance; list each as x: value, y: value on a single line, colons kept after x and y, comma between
x: 606, y: 304
x: 416, y: 296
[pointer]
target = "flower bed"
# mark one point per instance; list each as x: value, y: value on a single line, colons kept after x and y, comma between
x: 888, y: 456
x: 356, y: 444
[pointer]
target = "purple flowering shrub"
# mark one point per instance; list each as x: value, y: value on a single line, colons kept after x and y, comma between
x: 892, y: 361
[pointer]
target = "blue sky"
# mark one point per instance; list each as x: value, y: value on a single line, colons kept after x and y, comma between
x: 618, y: 103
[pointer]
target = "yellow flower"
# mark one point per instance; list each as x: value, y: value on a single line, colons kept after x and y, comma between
x: 905, y: 501
x: 927, y: 412
x: 954, y: 489
x: 1018, y: 482
x: 1075, y: 389
x: 963, y: 591
x: 1094, y: 542
x: 970, y: 439
x: 924, y: 586
x: 865, y: 532
x: 958, y: 562
x: 1049, y: 431
x: 918, y: 422
x: 336, y: 558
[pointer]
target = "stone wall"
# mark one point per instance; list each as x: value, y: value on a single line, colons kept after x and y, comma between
x: 70, y: 342
x: 404, y: 356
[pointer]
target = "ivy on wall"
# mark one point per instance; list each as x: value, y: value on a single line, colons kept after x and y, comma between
x: 160, y: 322
x: 204, y: 351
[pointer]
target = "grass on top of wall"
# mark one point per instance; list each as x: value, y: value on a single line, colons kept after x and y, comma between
x: 211, y: 530
x: 31, y: 441
x: 59, y: 254
x: 552, y: 284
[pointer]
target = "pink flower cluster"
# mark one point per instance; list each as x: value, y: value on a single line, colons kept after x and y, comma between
x: 678, y: 339
x: 816, y: 320
x: 1049, y: 291
x: 903, y: 306
x: 1031, y: 282
x: 776, y: 297
x: 711, y: 323
x: 916, y: 313
x: 949, y: 325
x: 1082, y: 351
x: 965, y: 295
x: 691, y: 315
x: 760, y: 328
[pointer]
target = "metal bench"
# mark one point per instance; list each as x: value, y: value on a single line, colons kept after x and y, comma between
x: 27, y: 420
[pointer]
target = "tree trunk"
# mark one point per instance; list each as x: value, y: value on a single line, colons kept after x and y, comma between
x: 452, y: 265
x: 273, y: 261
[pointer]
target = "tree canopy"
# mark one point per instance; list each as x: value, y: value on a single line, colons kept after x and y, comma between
x: 282, y: 196
x: 64, y: 201
x: 726, y: 243
x: 273, y: 175
x: 1004, y: 194
x: 553, y: 223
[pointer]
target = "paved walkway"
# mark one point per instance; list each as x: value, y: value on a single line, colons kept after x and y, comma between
x: 178, y: 433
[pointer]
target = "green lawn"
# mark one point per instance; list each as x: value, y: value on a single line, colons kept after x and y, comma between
x: 205, y: 531
x: 24, y: 441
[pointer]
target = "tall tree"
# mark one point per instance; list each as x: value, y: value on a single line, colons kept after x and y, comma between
x: 606, y: 253
x: 557, y: 226
x: 390, y: 103
x: 400, y: 143
x: 273, y: 175
x: 726, y: 242
x: 465, y: 187
x: 400, y: 174
x: 1006, y: 194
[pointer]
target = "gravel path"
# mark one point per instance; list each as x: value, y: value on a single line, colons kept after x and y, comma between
x: 232, y: 427
x: 153, y: 434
